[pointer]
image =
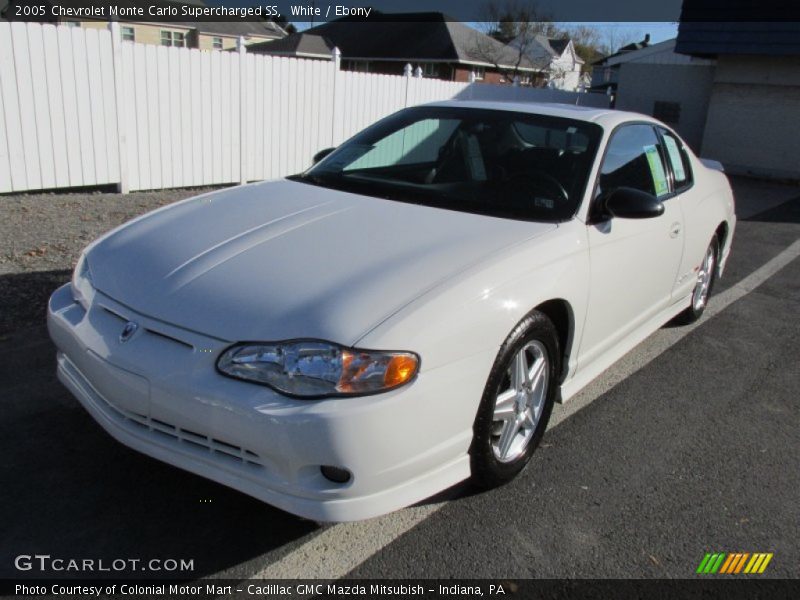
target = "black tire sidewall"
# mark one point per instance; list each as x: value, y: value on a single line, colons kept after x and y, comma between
x: 487, y: 471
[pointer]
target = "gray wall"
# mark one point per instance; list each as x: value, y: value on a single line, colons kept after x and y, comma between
x: 640, y: 85
x: 753, y: 124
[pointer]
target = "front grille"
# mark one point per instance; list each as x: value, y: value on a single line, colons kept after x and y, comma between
x: 215, y: 446
x: 167, y: 431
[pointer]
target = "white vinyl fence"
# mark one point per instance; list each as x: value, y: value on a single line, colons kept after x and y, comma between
x: 80, y: 107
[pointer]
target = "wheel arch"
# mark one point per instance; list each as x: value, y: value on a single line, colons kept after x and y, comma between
x: 722, y: 234
x: 560, y: 312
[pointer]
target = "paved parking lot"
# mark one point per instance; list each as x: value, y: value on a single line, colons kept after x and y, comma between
x: 691, y: 444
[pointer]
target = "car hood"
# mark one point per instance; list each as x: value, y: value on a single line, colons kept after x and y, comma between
x: 285, y: 259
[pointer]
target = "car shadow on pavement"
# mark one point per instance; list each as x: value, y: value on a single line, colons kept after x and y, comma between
x: 23, y: 297
x: 70, y: 491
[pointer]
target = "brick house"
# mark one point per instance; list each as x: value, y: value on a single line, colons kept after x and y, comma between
x: 440, y: 47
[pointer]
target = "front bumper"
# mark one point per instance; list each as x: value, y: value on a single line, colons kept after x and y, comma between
x: 159, y: 393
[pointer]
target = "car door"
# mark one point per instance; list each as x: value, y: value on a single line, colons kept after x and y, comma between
x: 695, y: 239
x: 634, y: 262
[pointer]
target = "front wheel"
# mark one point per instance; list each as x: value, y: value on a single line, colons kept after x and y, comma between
x: 516, y: 403
x: 706, y: 275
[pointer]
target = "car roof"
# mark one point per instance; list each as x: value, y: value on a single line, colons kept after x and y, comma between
x: 605, y: 117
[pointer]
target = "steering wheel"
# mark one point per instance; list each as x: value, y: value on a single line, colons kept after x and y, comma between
x: 521, y: 182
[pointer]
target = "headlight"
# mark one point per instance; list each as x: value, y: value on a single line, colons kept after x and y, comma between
x: 313, y: 369
x: 82, y: 286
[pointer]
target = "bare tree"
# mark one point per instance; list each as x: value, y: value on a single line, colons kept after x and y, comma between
x: 612, y: 38
x: 510, y: 29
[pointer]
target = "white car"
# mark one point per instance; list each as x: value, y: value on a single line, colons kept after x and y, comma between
x: 403, y: 315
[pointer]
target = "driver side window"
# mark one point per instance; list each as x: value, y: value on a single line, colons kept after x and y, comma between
x: 633, y: 159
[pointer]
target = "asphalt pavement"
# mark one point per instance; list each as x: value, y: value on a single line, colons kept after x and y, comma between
x: 696, y: 451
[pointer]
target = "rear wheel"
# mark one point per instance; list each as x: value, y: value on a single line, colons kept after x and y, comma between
x: 516, y: 402
x: 706, y: 275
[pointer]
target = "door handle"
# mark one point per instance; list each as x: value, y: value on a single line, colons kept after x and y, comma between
x: 674, y: 230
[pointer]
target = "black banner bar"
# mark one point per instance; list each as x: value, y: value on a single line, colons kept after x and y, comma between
x: 706, y: 588
x: 319, y: 11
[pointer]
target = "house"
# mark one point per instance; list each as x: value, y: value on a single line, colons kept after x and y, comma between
x: 440, y: 47
x: 556, y: 59
x: 296, y: 45
x: 605, y: 73
x: 672, y: 87
x: 753, y: 119
x: 197, y: 34
x: 189, y: 34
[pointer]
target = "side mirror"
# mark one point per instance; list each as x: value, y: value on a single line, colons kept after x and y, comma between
x: 628, y: 203
x: 321, y: 154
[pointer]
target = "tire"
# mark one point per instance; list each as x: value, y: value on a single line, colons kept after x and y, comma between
x: 496, y: 455
x: 705, y: 284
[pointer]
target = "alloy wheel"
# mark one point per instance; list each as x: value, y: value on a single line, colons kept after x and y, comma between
x: 704, y: 277
x: 520, y: 401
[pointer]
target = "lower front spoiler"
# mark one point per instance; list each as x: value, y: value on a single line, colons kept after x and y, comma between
x: 137, y: 434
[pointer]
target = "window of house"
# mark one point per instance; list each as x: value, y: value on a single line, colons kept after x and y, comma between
x: 216, y: 43
x: 128, y: 34
x: 668, y: 112
x: 633, y: 159
x: 678, y: 160
x: 430, y: 70
x: 173, y: 38
x: 480, y: 73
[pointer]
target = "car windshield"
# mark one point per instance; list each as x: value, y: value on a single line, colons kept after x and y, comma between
x: 494, y: 162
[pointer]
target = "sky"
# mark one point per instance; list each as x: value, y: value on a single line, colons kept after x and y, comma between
x: 658, y: 31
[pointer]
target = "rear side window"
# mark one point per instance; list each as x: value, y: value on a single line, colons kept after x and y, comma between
x: 633, y: 159
x: 678, y: 160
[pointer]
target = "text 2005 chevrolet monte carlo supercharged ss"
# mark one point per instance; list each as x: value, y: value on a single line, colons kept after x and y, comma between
x: 401, y: 316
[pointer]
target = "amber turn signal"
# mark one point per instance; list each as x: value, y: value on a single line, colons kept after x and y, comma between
x: 400, y: 369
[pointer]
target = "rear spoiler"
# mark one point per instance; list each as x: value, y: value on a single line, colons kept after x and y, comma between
x: 713, y: 164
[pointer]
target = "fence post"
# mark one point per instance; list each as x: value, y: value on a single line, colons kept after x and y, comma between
x: 336, y: 64
x: 119, y: 102
x: 243, y: 153
x: 407, y: 73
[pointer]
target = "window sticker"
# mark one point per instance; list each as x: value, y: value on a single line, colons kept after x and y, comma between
x: 656, y: 170
x: 675, y: 158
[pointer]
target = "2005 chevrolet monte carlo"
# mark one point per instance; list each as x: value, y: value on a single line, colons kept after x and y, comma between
x: 401, y: 316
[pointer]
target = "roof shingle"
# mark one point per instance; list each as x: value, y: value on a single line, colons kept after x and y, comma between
x: 423, y: 37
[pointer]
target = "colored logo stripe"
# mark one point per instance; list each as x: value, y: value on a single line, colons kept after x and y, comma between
x: 758, y: 563
x: 733, y: 563
x: 732, y: 559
